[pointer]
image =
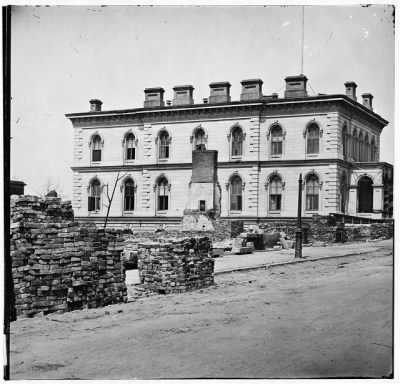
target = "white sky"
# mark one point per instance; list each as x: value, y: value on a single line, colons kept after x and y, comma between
x: 64, y: 56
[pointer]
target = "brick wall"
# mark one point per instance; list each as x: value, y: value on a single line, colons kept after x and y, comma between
x: 175, y: 265
x: 59, y: 265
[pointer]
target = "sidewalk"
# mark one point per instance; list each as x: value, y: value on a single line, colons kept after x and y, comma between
x: 259, y: 259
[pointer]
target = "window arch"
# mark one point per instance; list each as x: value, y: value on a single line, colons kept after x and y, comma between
x: 237, y: 142
x: 355, y: 146
x: 365, y: 194
x: 360, y: 147
x: 236, y: 193
x: 275, y: 193
x: 164, y: 141
x: 200, y: 140
x: 129, y: 195
x: 162, y: 192
x: 276, y: 140
x: 96, y: 146
x: 312, y: 193
x: 130, y: 147
x: 94, y: 196
x: 313, y: 139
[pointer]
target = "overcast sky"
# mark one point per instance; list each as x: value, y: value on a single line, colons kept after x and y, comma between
x: 64, y: 56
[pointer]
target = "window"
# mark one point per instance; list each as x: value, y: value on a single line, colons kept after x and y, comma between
x: 164, y: 140
x: 373, y: 150
x: 313, y: 139
x: 366, y: 148
x: 162, y: 194
x: 355, y: 146
x: 94, y: 196
x: 344, y: 142
x: 312, y: 193
x: 200, y: 140
x: 276, y: 140
x: 343, y: 193
x: 129, y: 195
x: 360, y: 147
x: 130, y: 147
x: 96, y: 148
x: 237, y: 142
x: 236, y: 194
x: 275, y: 193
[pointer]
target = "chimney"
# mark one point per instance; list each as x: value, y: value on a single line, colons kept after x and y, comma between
x: 153, y: 97
x: 351, y: 90
x: 251, y: 89
x: 95, y: 105
x: 296, y: 86
x: 219, y: 92
x: 183, y: 95
x: 367, y: 100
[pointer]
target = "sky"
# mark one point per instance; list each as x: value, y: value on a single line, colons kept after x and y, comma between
x: 63, y: 56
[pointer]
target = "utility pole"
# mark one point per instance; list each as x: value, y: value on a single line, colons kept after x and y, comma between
x: 299, y: 231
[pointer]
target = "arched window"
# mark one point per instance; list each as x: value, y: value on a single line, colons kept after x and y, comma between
x: 355, y: 146
x: 373, y: 150
x: 96, y: 148
x: 129, y: 195
x: 344, y: 141
x: 275, y: 193
x: 237, y: 142
x: 130, y: 147
x: 236, y: 194
x: 312, y: 193
x: 365, y: 195
x: 360, y: 147
x: 366, y: 148
x: 162, y: 194
x: 276, y: 140
x: 94, y: 195
x: 313, y: 139
x: 164, y: 140
x: 200, y: 140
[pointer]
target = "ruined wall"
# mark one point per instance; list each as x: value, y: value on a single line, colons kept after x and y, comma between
x: 175, y: 266
x: 59, y: 265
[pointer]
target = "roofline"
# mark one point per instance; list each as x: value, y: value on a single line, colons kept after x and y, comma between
x: 265, y: 100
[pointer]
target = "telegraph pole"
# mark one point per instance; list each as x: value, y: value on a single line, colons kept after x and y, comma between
x: 299, y: 231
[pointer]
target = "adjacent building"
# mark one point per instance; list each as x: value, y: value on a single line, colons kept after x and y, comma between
x: 263, y: 141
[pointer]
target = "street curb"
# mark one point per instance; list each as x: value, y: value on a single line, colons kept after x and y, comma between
x: 267, y: 266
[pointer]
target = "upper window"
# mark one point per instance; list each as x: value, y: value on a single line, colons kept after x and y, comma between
x: 236, y: 194
x: 96, y: 148
x: 313, y: 139
x: 355, y: 146
x: 276, y: 140
x: 275, y: 193
x: 373, y: 149
x: 200, y: 140
x: 360, y: 147
x: 237, y: 142
x: 94, y: 195
x: 130, y: 147
x: 344, y: 141
x: 162, y: 194
x: 366, y: 148
x: 312, y: 193
x: 163, y: 148
x: 129, y: 195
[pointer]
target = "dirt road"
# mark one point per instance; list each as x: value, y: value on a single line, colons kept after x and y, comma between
x: 329, y: 318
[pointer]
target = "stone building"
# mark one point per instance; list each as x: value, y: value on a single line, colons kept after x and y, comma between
x: 263, y: 143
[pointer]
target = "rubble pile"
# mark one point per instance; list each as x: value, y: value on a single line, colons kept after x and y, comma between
x: 176, y: 265
x: 59, y: 265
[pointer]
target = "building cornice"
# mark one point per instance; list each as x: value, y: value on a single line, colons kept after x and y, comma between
x: 264, y: 107
x: 222, y: 165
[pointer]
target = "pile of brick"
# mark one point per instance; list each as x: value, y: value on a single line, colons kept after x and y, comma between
x: 60, y: 265
x: 176, y: 265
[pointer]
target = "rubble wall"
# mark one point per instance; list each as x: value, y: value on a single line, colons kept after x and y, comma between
x: 59, y: 265
x: 175, y: 266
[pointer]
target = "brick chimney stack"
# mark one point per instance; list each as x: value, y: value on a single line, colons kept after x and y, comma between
x: 183, y: 95
x: 153, y: 97
x: 95, y: 105
x: 296, y: 86
x: 351, y: 90
x: 367, y: 100
x: 251, y: 89
x: 219, y: 92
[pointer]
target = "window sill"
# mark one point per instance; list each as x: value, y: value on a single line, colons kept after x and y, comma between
x: 95, y: 163
x: 311, y: 212
x: 312, y: 154
x: 127, y: 213
x: 235, y: 212
x: 236, y: 158
x: 94, y: 213
x: 130, y: 161
x: 162, y: 160
x: 275, y: 213
x: 276, y: 156
x: 161, y: 213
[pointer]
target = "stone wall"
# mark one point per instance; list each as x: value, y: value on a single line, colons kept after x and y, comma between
x: 59, y: 265
x: 175, y: 266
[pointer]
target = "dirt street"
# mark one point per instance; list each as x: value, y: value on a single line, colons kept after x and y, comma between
x: 328, y: 318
